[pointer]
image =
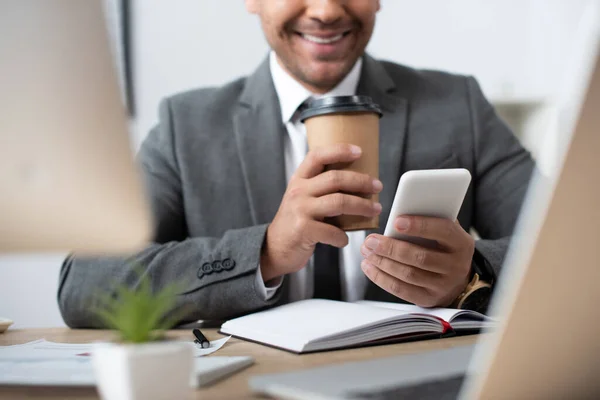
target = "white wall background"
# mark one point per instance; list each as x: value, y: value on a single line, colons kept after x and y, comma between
x: 516, y: 48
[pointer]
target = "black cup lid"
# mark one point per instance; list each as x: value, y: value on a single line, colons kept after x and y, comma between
x: 339, y: 104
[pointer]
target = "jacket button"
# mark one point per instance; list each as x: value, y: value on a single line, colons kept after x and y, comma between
x: 228, y: 264
x: 217, y: 266
x: 205, y: 269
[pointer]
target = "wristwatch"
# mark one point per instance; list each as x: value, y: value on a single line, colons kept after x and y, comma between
x: 478, y: 292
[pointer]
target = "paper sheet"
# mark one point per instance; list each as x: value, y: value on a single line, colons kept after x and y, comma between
x: 66, y: 364
x: 214, y: 346
x: 45, y: 350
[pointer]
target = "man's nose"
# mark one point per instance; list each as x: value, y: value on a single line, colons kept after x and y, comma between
x: 325, y: 11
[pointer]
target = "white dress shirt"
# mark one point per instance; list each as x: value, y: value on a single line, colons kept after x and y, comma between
x: 291, y: 95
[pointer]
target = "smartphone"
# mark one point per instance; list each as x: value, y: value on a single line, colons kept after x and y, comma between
x: 429, y: 193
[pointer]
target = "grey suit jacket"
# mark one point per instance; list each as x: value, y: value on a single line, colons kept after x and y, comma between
x: 214, y: 169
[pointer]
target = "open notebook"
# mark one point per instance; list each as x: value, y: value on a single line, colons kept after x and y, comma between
x: 317, y: 325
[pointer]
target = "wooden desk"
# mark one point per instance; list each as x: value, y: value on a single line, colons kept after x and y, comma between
x: 267, y: 360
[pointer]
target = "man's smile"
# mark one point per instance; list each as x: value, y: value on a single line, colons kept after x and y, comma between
x: 325, y: 45
x: 323, y: 38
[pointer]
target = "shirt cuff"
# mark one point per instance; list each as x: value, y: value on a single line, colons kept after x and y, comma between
x: 267, y: 290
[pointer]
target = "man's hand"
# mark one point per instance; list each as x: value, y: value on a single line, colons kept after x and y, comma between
x: 311, y: 196
x: 425, y: 277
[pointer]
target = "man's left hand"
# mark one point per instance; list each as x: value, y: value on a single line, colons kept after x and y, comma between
x: 423, y: 276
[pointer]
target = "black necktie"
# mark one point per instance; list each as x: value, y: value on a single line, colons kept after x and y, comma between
x: 327, y: 283
x: 327, y: 273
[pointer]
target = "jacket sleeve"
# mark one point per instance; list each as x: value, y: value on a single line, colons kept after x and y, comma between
x: 503, y: 169
x: 217, y: 275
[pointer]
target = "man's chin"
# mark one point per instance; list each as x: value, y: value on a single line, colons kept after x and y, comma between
x: 328, y: 74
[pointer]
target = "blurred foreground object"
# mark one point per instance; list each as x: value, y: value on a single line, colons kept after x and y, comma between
x: 68, y: 181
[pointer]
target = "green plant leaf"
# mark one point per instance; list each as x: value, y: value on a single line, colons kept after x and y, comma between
x: 138, y: 314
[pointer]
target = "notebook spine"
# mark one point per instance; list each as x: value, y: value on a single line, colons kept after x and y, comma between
x: 447, y: 329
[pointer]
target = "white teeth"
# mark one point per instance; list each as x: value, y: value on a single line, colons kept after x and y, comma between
x: 319, y: 40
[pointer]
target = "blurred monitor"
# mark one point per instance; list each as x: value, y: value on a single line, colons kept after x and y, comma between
x: 548, y: 294
x: 68, y: 180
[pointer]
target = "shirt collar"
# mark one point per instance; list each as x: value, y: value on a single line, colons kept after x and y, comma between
x: 292, y: 94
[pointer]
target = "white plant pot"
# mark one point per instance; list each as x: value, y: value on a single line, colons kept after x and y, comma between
x: 150, y: 371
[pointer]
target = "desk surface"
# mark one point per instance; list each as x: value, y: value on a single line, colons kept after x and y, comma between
x: 267, y: 360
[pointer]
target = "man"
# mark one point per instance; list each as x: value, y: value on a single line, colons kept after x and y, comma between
x: 239, y: 203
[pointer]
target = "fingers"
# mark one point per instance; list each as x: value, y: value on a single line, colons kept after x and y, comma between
x: 430, y: 260
x: 343, y: 181
x: 406, y: 273
x: 414, y: 294
x: 315, y: 161
x: 336, y: 204
x: 327, y: 234
x: 447, y: 233
x: 424, y: 276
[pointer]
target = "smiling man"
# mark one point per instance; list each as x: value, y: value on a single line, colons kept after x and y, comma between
x: 239, y: 202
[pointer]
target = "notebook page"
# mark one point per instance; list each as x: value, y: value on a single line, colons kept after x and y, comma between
x: 293, y: 325
x: 447, y: 314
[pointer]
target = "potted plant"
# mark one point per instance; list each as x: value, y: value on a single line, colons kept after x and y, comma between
x: 141, y: 364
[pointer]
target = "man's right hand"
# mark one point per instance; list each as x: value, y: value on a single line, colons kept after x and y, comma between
x: 311, y: 196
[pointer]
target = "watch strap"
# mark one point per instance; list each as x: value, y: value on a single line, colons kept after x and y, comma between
x: 481, y: 266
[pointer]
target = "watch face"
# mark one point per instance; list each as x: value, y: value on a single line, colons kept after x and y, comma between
x: 478, y: 300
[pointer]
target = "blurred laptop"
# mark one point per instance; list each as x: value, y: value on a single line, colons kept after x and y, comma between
x: 67, y: 174
x: 548, y: 298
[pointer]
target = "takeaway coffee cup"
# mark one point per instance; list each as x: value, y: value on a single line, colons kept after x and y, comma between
x: 347, y: 119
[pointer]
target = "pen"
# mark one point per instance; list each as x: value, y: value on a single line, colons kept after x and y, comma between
x: 201, y: 339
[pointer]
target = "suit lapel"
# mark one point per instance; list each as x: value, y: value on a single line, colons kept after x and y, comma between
x: 376, y: 83
x: 259, y: 133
